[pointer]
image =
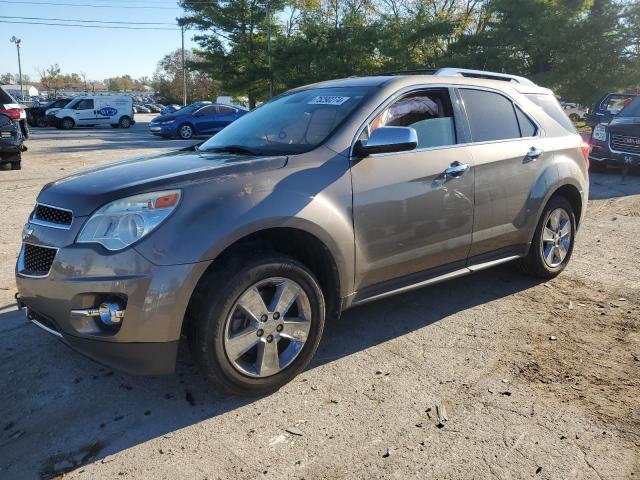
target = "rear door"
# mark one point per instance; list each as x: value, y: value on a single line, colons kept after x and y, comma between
x: 508, y: 154
x: 84, y: 112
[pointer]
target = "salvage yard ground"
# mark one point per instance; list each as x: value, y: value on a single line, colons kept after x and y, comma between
x: 539, y: 380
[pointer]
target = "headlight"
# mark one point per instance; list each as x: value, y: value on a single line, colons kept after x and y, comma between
x: 600, y: 132
x: 167, y: 122
x: 123, y: 222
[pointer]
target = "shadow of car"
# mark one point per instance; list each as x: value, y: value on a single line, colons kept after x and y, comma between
x: 196, y: 119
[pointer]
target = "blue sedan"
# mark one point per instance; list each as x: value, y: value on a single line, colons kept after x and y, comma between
x: 202, y: 118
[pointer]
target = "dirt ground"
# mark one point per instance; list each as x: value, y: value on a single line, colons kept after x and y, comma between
x: 538, y: 380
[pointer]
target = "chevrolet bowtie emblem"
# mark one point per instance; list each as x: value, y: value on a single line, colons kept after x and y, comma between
x: 26, y: 232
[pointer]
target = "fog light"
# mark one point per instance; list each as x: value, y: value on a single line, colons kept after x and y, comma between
x: 111, y: 314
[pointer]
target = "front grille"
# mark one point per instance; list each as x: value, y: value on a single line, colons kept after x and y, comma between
x: 624, y: 143
x: 37, y: 260
x: 52, y: 215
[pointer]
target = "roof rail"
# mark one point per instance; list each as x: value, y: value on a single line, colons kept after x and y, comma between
x: 463, y: 72
x: 421, y: 71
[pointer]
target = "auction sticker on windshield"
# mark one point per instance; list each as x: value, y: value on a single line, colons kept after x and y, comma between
x: 328, y: 100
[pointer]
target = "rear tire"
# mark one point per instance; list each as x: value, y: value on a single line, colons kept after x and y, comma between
x: 553, y: 241
x: 217, y: 321
x: 125, y: 122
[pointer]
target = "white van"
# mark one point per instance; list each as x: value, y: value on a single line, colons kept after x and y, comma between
x: 94, y: 110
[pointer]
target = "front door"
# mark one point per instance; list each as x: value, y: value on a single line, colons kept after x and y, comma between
x: 410, y: 216
x: 85, y: 112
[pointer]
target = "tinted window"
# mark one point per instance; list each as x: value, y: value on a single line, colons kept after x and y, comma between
x: 86, y: 104
x: 5, y: 97
x: 491, y: 116
x: 428, y: 112
x: 551, y: 107
x: 225, y: 110
x: 631, y: 110
x: 527, y: 127
x: 211, y: 110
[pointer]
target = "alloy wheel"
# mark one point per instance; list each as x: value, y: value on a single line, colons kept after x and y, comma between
x: 186, y: 132
x: 556, y: 238
x: 267, y: 328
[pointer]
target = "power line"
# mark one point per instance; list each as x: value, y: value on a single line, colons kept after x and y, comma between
x: 90, y: 26
x: 89, y: 5
x: 86, y: 21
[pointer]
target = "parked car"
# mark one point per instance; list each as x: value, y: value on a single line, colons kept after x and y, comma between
x: 608, y: 107
x: 11, y: 108
x: 95, y: 110
x: 153, y: 108
x: 141, y: 109
x: 37, y: 116
x: 196, y: 119
x: 574, y: 111
x: 326, y: 197
x: 617, y: 144
x: 11, y: 143
x: 170, y: 109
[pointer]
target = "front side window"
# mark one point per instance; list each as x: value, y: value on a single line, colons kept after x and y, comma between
x: 428, y: 112
x: 491, y: 116
x: 292, y: 123
x: 210, y: 110
x: 86, y: 104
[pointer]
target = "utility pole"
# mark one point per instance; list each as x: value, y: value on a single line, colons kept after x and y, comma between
x: 184, y: 71
x: 17, y: 42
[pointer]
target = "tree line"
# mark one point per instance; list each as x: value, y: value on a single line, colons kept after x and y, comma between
x: 579, y: 48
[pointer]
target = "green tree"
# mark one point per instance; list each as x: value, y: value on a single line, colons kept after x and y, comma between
x: 167, y: 80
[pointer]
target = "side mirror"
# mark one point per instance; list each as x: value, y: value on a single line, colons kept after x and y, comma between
x: 387, y: 140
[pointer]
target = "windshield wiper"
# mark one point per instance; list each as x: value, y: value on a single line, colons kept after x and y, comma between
x: 232, y: 149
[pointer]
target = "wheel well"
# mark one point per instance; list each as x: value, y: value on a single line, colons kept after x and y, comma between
x: 573, y: 196
x: 301, y: 245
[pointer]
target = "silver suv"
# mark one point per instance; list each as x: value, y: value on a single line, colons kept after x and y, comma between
x: 324, y: 198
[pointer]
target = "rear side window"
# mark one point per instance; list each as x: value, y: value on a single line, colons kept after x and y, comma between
x: 551, y: 107
x: 491, y: 116
x: 527, y: 127
x: 5, y: 97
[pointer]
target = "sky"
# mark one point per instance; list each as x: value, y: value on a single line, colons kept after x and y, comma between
x: 100, y: 53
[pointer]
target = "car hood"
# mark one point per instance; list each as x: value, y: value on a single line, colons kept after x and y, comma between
x: 164, y: 118
x: 88, y: 190
x: 625, y: 126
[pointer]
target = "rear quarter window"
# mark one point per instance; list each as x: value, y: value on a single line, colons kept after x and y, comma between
x: 491, y: 116
x: 549, y: 104
x: 5, y: 97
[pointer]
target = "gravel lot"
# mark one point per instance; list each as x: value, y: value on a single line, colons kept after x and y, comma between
x: 519, y: 404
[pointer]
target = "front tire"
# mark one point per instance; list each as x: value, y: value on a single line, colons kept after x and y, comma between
x: 553, y: 240
x: 185, y: 132
x: 255, y: 327
x: 68, y: 123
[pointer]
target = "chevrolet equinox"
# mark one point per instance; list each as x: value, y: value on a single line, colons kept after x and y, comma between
x: 326, y: 197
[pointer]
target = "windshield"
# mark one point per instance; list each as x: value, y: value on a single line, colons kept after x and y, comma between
x: 189, y: 108
x: 292, y: 123
x: 631, y: 110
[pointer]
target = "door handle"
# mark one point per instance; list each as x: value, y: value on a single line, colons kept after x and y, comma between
x: 533, y: 154
x: 456, y: 169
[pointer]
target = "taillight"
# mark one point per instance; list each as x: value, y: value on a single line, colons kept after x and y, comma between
x: 12, y: 113
x: 586, y: 148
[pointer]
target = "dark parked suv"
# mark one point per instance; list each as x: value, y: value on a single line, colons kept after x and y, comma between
x: 326, y: 197
x: 618, y: 143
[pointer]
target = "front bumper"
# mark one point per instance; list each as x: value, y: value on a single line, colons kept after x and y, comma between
x: 601, y: 154
x: 163, y: 130
x: 82, y: 276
